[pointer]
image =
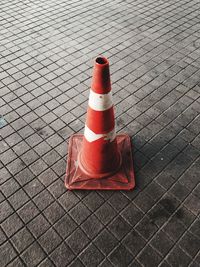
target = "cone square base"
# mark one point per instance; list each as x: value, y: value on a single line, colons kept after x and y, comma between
x: 123, y: 179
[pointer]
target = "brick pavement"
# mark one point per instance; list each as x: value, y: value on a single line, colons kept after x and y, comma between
x: 46, y: 52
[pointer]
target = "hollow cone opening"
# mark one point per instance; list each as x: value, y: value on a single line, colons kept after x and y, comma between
x: 101, y: 60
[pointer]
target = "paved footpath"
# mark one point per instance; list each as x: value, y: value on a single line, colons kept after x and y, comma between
x: 47, y: 49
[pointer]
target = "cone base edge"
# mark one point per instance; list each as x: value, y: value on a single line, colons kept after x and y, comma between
x: 110, y: 183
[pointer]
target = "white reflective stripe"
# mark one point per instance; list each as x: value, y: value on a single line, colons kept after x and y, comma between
x: 91, y: 136
x: 100, y: 102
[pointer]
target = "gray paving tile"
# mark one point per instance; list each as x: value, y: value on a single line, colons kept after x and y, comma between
x: 45, y: 75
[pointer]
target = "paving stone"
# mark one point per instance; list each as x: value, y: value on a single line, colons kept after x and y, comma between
x: 2, y: 236
x: 118, y: 201
x: 49, y: 240
x: 119, y: 227
x: 178, y: 257
x: 76, y: 263
x: 105, y: 213
x: 61, y: 228
x: 93, y: 201
x: 7, y: 253
x: 91, y: 256
x: 22, y: 239
x: 6, y: 210
x: 33, y: 255
x: 146, y: 227
x: 28, y: 211
x: 57, y: 189
x: 18, y: 199
x: 54, y: 212
x: 44, y: 88
x: 120, y: 256
x: 68, y: 200
x: 105, y: 241
x: 62, y: 255
x: 105, y: 263
x: 47, y: 177
x: 38, y: 225
x: 92, y: 226
x: 5, y: 175
x: 46, y: 263
x: 24, y: 176
x: 79, y: 213
x: 143, y: 201
x: 134, y: 242
x: 43, y: 199
x: 132, y: 214
x: 161, y: 242
x: 192, y: 204
x: 17, y: 263
x: 149, y: 256
x: 12, y: 224
x: 195, y: 229
x: 77, y: 241
x: 9, y: 187
x: 33, y: 188
x: 190, y: 244
x: 174, y: 228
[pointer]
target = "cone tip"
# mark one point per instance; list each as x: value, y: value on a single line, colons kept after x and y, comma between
x: 101, y: 61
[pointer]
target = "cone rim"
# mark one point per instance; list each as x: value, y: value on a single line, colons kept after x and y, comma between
x: 101, y: 61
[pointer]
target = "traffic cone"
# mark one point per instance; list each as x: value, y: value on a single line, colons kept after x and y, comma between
x: 99, y: 159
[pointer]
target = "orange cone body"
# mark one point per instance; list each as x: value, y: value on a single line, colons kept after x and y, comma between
x: 99, y: 159
x: 99, y: 156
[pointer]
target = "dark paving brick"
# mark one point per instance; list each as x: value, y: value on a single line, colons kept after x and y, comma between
x: 105, y: 241
x: 120, y: 256
x: 7, y: 253
x: 105, y: 213
x: 54, y: 212
x: 46, y: 263
x: 192, y: 203
x: 91, y: 256
x: 49, y: 240
x: 161, y: 242
x: 76, y: 263
x: 118, y: 201
x: 77, y: 241
x: 134, y: 242
x: 62, y: 255
x: 43, y: 199
x: 190, y: 243
x: 12, y: 224
x: 33, y: 255
x: 61, y: 228
x: 17, y: 263
x: 149, y: 257
x: 132, y: 214
x: 119, y: 227
x: 38, y: 225
x: 28, y: 211
x: 18, y: 199
x: 174, y: 228
x: 22, y: 239
x: 93, y: 201
x: 6, y: 210
x: 195, y: 228
x: 177, y: 257
x: 79, y: 213
x: 146, y: 227
x: 92, y: 226
x: 68, y: 200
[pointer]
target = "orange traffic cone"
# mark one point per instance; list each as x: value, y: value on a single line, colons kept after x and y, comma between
x: 99, y: 159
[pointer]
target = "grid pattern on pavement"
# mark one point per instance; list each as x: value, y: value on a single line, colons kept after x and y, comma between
x: 47, y: 49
